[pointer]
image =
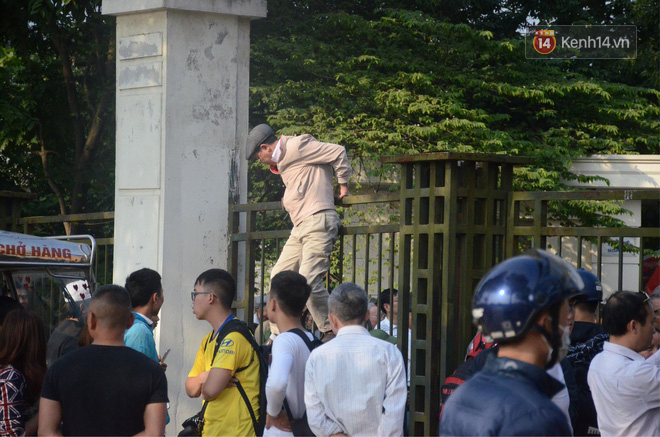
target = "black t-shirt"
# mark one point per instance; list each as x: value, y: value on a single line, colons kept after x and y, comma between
x: 103, y: 390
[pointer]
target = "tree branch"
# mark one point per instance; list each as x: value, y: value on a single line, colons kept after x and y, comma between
x: 43, y: 154
x: 71, y: 94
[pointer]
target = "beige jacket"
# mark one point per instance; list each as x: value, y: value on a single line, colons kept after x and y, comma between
x: 306, y: 167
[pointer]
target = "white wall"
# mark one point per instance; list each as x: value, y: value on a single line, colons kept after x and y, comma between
x: 623, y: 172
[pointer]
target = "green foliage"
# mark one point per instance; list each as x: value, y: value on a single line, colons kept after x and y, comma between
x: 401, y: 81
x: 504, y: 20
x: 379, y: 76
x: 57, y: 104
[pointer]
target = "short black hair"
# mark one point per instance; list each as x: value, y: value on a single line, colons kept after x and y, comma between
x: 270, y: 140
x: 112, y: 305
x: 385, y: 297
x: 141, y: 285
x: 588, y: 307
x: 291, y: 291
x: 221, y: 283
x: 623, y: 307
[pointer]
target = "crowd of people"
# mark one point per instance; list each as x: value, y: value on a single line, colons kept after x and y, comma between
x: 523, y: 374
x: 542, y: 362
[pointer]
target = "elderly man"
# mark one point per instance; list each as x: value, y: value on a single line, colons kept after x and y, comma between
x: 655, y: 301
x: 306, y: 167
x: 625, y: 386
x: 338, y: 400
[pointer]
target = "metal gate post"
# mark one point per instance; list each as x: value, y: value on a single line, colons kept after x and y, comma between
x: 452, y: 230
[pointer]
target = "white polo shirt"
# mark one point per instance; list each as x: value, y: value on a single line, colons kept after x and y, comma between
x: 626, y: 391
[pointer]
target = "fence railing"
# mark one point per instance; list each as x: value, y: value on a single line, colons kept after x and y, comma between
x: 375, y: 250
x: 366, y: 254
x: 615, y: 254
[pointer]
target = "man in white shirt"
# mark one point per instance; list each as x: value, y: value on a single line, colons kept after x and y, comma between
x: 625, y: 386
x: 389, y: 304
x: 289, y: 292
x: 356, y: 384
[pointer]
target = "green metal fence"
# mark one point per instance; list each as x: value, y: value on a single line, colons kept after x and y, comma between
x: 364, y: 253
x: 457, y: 217
x: 530, y: 225
x: 453, y: 218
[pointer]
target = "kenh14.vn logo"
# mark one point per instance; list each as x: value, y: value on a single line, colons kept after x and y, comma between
x: 544, y: 41
x: 581, y: 42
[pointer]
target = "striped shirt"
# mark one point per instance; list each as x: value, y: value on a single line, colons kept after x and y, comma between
x: 355, y: 384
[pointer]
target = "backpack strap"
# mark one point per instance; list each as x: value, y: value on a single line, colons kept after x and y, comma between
x: 288, y: 411
x: 245, y: 332
x: 311, y: 345
x: 224, y: 331
x: 221, y: 335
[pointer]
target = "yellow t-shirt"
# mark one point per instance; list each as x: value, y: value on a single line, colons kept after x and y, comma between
x: 227, y: 415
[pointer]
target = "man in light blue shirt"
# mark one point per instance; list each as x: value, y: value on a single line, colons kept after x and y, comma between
x: 146, y: 291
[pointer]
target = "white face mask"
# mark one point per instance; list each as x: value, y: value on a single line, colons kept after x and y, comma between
x: 563, y: 349
x: 565, y: 342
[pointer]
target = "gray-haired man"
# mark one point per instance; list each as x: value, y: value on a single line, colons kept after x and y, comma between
x: 335, y: 395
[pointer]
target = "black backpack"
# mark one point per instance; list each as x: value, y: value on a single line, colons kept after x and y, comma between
x: 300, y: 427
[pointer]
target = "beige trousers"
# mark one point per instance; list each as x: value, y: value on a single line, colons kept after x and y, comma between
x: 307, y: 251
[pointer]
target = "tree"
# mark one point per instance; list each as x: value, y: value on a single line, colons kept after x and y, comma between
x: 506, y: 20
x: 380, y: 76
x: 57, y: 97
x: 406, y: 82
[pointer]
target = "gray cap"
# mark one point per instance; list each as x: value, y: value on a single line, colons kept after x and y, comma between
x: 255, y: 138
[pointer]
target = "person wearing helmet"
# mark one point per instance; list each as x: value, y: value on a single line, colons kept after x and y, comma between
x: 522, y: 304
x: 586, y: 324
x: 587, y: 340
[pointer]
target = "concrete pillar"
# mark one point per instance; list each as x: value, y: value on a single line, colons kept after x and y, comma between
x: 182, y: 120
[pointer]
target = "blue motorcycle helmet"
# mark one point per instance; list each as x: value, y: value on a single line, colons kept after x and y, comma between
x: 593, y: 290
x: 513, y: 293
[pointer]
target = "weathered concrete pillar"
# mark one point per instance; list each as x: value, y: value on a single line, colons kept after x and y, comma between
x: 182, y: 120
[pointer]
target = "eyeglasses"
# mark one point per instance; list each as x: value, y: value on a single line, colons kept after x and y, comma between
x: 193, y: 294
x: 646, y: 296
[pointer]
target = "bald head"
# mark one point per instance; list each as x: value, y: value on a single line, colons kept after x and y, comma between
x: 111, y: 307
